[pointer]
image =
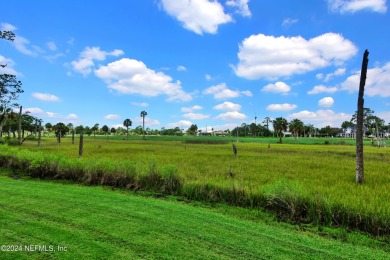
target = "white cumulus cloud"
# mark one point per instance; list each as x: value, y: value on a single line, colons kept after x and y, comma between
x: 231, y: 115
x: 281, y: 107
x: 112, y: 117
x: 228, y: 106
x: 321, y: 118
x: 352, y: 6
x: 263, y: 56
x: 45, y: 97
x: 191, y: 109
x: 322, y: 89
x: 39, y: 113
x: 326, y: 102
x: 198, y: 16
x: 182, y: 124
x: 241, y: 7
x: 338, y: 72
x: 85, y: 63
x: 72, y: 116
x: 278, y: 87
x: 221, y: 91
x: 196, y: 116
x: 129, y: 76
x: 377, y: 82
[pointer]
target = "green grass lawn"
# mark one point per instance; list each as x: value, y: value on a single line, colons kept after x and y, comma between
x: 96, y: 222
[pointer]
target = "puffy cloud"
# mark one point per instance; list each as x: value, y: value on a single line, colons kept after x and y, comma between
x: 377, y: 82
x: 326, y: 102
x: 72, y: 116
x: 199, y: 16
x: 228, y: 106
x: 112, y: 117
x: 247, y: 93
x: 196, y: 116
x: 221, y: 91
x: 232, y: 115
x: 85, y: 62
x: 352, y: 6
x: 278, y: 87
x: 281, y: 107
x: 45, y: 97
x: 321, y: 89
x: 191, y: 109
x: 262, y: 56
x: 241, y: 5
x: 338, y: 72
x: 37, y: 112
x: 143, y: 104
x: 129, y: 76
x: 321, y: 118
x: 148, y: 121
x: 181, y: 124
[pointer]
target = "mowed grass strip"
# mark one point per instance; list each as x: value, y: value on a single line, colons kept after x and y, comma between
x: 303, y: 183
x: 91, y: 222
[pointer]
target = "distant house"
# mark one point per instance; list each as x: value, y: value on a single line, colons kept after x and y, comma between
x: 287, y: 134
x: 221, y: 133
x: 349, y: 132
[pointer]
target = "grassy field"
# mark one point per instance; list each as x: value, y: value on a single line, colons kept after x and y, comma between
x: 302, y: 183
x: 80, y: 222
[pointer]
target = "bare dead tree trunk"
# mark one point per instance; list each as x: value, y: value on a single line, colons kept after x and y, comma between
x: 81, y: 145
x: 359, y: 123
x: 39, y: 133
x: 20, y: 126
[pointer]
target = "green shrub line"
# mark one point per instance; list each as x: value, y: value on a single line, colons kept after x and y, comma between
x: 285, y: 198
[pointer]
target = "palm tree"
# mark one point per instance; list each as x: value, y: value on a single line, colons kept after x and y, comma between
x: 143, y: 114
x: 280, y: 125
x: 127, y: 123
x: 296, y: 126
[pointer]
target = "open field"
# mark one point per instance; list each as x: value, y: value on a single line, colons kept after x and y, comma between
x: 79, y: 222
x: 302, y: 183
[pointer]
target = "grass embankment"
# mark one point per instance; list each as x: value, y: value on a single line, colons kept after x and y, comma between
x: 305, y: 184
x: 79, y: 222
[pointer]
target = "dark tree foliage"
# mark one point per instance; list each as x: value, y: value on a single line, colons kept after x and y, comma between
x: 192, y: 130
x: 79, y: 129
x: 7, y: 35
x: 60, y: 129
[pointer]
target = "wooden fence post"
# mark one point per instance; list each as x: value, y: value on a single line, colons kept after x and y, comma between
x: 81, y: 145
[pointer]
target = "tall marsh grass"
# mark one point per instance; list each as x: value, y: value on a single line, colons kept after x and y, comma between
x: 301, y: 183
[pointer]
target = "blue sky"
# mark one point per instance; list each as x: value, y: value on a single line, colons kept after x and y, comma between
x: 211, y: 63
